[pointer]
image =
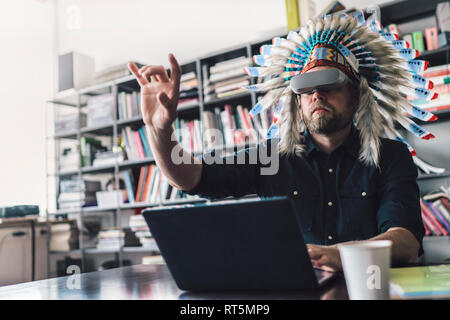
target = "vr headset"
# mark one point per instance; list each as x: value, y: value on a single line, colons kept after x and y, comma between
x: 326, y: 80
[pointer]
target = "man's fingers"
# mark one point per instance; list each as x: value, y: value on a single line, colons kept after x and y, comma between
x: 175, y: 70
x: 135, y: 71
x: 155, y: 71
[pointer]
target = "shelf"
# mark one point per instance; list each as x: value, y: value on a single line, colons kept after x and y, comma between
x: 134, y: 163
x: 228, y: 147
x: 437, y: 56
x: 98, y: 169
x: 137, y: 250
x: 103, y: 129
x: 108, y: 168
x: 190, y: 106
x: 182, y: 201
x: 66, y: 173
x: 97, y: 89
x: 404, y: 11
x: 67, y: 135
x: 424, y: 176
x: 76, y: 251
x: 228, y: 99
x: 126, y: 122
x: 137, y: 205
x: 111, y: 250
x: 101, y: 251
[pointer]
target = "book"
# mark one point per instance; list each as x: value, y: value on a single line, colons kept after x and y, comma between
x: 140, y: 184
x: 438, y: 216
x: 427, y: 223
x: 408, y: 38
x: 226, y: 74
x: 145, y: 143
x: 420, y: 282
x: 188, y: 76
x: 431, y: 37
x: 418, y: 43
x: 147, y: 183
x: 129, y: 185
x: 133, y: 155
x: 445, y: 203
x: 138, y: 141
x: 393, y: 28
x: 443, y: 211
x: 437, y: 71
x: 230, y: 64
x: 433, y: 220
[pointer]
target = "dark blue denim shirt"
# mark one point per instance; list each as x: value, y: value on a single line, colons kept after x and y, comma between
x: 337, y: 198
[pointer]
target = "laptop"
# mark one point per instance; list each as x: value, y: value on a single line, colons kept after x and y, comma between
x: 250, y: 245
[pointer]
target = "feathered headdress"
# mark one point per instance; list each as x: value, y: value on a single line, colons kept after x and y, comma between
x: 386, y: 68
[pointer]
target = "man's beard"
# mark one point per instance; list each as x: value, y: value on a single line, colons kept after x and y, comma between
x: 328, y: 122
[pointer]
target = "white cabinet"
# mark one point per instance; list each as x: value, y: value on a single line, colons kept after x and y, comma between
x: 16, y: 252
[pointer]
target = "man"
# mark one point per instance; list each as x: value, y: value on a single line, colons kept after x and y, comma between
x: 339, y: 197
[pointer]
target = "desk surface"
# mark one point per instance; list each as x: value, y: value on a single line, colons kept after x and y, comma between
x: 152, y: 282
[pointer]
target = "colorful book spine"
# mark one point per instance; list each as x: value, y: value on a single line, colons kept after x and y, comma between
x: 140, y: 183
x: 427, y: 222
x: 431, y: 37
x: 438, y: 215
x: 140, y: 148
x: 147, y: 183
x: 418, y: 44
x: 129, y: 186
x: 144, y: 142
x: 433, y: 219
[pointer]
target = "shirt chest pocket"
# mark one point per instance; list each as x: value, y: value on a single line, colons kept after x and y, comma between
x: 358, y: 208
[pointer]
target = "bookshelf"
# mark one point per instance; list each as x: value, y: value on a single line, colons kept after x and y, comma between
x: 415, y: 14
x: 76, y: 100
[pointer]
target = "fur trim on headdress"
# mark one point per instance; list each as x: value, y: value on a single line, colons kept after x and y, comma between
x: 387, y: 69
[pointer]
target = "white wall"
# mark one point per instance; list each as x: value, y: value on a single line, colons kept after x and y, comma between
x: 25, y: 84
x: 114, y: 32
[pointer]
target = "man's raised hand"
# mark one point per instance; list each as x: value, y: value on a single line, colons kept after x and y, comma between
x: 159, y: 96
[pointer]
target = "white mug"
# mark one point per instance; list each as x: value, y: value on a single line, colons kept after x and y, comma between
x: 366, y: 269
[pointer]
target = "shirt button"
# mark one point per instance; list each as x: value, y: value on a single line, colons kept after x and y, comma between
x: 363, y: 194
x: 295, y: 192
x: 330, y: 170
x: 330, y: 204
x: 330, y: 237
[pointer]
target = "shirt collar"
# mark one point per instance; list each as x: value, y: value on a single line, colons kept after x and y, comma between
x: 351, y: 143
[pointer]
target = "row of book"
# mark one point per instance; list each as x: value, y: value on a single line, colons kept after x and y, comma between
x: 421, y: 41
x: 151, y: 186
x: 100, y: 110
x: 188, y: 134
x: 436, y: 216
x: 76, y: 193
x: 225, y: 78
x: 140, y: 228
x: 234, y: 127
x: 188, y: 90
x: 440, y: 76
x: 128, y: 105
x: 136, y: 144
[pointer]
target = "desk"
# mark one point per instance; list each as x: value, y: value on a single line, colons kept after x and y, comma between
x: 152, y: 282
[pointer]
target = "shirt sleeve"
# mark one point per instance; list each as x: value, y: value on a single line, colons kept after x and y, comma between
x: 399, y: 193
x: 223, y: 176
